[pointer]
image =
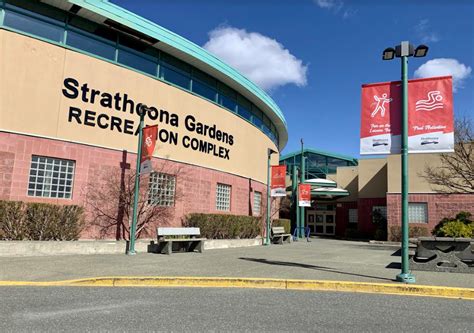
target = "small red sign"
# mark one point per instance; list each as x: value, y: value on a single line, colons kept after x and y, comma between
x: 304, y: 195
x: 278, y: 183
x: 150, y: 134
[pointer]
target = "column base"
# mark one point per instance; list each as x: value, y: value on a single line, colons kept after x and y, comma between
x: 406, y: 278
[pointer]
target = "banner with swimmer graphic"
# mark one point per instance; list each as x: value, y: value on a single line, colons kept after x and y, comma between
x: 430, y: 116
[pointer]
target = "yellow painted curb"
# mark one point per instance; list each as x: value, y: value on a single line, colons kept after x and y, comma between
x: 284, y: 284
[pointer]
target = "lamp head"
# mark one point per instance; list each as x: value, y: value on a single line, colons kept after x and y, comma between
x: 421, y: 51
x: 388, y: 53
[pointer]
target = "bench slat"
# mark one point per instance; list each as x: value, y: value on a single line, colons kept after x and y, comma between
x: 278, y: 230
x: 164, y: 231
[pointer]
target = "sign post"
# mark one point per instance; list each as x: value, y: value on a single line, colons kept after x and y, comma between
x: 278, y: 189
x: 147, y: 146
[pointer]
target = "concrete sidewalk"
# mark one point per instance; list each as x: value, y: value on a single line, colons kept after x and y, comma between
x: 321, y: 259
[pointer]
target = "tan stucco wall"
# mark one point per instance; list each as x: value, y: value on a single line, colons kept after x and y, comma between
x: 347, y: 178
x: 32, y: 76
x: 372, y: 178
x: 416, y: 166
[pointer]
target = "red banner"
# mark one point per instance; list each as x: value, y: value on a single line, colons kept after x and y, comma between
x: 430, y: 116
x: 278, y: 183
x: 150, y: 134
x: 304, y: 195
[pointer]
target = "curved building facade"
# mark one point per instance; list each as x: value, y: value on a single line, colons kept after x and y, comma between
x: 72, y: 77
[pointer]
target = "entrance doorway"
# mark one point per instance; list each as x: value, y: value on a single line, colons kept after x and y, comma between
x: 321, y: 222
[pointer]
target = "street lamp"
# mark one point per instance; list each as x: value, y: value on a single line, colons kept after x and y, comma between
x: 403, y: 51
x: 269, y: 154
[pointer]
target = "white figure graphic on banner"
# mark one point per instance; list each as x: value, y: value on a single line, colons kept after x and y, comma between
x: 433, y: 102
x: 381, y: 101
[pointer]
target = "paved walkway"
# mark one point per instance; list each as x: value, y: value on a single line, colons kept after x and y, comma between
x: 321, y: 259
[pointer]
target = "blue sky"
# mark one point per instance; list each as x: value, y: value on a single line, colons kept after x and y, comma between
x: 324, y: 50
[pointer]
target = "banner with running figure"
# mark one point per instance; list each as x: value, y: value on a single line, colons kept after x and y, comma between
x: 304, y: 195
x: 278, y: 181
x: 430, y: 116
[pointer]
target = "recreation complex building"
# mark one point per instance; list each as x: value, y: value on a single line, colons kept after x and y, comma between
x: 73, y: 74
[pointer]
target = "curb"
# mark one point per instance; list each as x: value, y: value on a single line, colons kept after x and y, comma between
x: 257, y: 283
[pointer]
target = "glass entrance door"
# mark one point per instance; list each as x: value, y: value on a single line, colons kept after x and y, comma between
x: 321, y: 222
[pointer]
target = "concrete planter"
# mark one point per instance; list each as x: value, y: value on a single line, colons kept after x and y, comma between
x: 44, y: 248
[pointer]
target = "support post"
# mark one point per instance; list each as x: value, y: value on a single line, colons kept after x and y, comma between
x: 405, y: 275
x: 267, y: 236
x: 294, y: 191
x: 131, y: 250
x: 302, y: 180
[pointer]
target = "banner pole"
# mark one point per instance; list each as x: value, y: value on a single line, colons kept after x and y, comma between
x: 405, y: 275
x: 302, y: 217
x: 267, y: 235
x: 294, y: 191
x: 131, y: 250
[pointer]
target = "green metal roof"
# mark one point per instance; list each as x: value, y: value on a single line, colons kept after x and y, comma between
x: 118, y: 14
x: 320, y: 152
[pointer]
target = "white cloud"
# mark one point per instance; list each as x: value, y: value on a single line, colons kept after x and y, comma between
x: 262, y: 59
x: 444, y: 66
x: 423, y: 32
x: 328, y: 3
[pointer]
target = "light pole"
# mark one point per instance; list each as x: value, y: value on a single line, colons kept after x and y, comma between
x: 267, y: 236
x: 133, y: 227
x: 303, y: 179
x: 403, y: 51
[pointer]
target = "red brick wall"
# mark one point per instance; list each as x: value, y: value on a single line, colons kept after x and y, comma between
x: 342, y: 216
x: 439, y: 206
x: 195, y: 188
x: 366, y: 226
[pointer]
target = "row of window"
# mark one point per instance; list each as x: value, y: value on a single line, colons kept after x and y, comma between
x: 417, y: 213
x: 53, y: 178
x: 80, y: 34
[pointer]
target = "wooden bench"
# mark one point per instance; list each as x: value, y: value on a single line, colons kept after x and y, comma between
x: 279, y: 236
x: 179, y: 240
x: 444, y: 254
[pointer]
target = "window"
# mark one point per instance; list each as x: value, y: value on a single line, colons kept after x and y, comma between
x: 204, y: 90
x: 257, y: 203
x: 94, y: 46
x: 223, y: 197
x: 379, y: 213
x: 135, y: 61
x: 33, y: 26
x: 417, y: 213
x: 161, y: 189
x: 353, y: 218
x: 50, y: 177
x: 175, y: 77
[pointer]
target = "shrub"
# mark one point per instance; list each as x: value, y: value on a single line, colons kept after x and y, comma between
x: 219, y: 226
x: 286, y: 223
x: 12, y: 220
x: 456, y: 229
x: 464, y: 217
x: 395, y: 234
x: 39, y: 221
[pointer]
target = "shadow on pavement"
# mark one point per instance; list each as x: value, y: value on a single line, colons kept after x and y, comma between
x: 318, y: 268
x: 394, y: 265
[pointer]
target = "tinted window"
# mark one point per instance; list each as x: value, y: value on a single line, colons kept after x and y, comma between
x: 175, y: 77
x: 93, y: 46
x: 33, y: 26
x: 227, y: 102
x: 137, y: 62
x: 244, y: 112
x: 204, y: 90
